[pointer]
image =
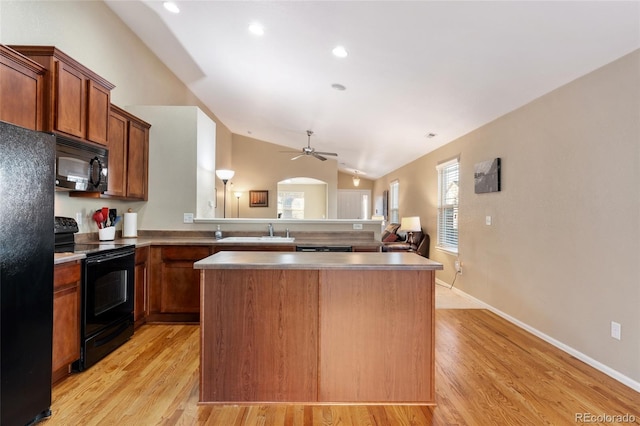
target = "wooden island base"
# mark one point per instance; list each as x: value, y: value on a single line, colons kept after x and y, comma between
x: 317, y: 328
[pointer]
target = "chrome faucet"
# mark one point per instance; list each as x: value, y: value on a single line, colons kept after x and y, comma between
x: 270, y: 228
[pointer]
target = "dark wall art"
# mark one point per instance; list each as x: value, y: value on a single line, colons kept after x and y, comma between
x: 487, y: 176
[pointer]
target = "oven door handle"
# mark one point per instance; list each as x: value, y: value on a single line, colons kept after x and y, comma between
x: 107, y: 257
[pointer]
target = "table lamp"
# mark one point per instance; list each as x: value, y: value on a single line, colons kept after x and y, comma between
x: 410, y: 224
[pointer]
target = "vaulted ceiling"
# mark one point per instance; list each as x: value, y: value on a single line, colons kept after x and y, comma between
x: 418, y: 74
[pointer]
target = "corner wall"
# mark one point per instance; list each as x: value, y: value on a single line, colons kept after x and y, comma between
x: 563, y: 251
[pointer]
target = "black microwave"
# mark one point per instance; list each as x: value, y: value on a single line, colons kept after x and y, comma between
x: 80, y: 166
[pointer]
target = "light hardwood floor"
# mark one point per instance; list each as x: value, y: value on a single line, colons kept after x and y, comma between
x: 487, y: 372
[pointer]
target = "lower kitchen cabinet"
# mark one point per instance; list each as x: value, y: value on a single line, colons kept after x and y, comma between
x: 66, y: 318
x: 141, y: 273
x: 174, y: 286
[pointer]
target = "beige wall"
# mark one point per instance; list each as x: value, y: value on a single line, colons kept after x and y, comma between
x: 261, y: 165
x: 563, y: 252
x: 89, y: 32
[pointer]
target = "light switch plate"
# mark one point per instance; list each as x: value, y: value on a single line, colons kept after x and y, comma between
x: 487, y: 220
x: 615, y: 330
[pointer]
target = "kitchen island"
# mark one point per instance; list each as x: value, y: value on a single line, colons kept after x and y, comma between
x: 328, y: 328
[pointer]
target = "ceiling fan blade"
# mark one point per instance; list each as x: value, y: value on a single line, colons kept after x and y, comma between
x: 319, y: 157
x: 298, y: 156
x: 327, y: 153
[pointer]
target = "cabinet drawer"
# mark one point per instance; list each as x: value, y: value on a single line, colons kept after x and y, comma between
x: 185, y: 253
x: 65, y: 275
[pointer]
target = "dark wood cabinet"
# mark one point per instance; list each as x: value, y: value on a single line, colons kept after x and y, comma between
x: 141, y: 286
x: 21, y: 89
x: 128, y: 155
x: 76, y: 99
x: 66, y: 318
x: 138, y: 160
x: 174, y: 286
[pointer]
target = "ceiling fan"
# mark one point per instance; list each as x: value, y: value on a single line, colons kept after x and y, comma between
x: 307, y: 150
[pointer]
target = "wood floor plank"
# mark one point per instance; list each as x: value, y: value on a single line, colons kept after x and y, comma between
x: 488, y: 372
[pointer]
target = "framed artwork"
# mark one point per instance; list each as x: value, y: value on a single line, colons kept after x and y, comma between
x: 486, y: 176
x: 259, y: 198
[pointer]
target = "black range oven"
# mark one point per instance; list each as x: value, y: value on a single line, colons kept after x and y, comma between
x: 107, y: 293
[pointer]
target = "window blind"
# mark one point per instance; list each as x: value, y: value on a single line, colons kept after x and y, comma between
x: 448, y: 185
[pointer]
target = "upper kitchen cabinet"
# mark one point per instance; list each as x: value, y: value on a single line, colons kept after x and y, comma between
x: 128, y: 155
x: 76, y: 100
x: 21, y: 89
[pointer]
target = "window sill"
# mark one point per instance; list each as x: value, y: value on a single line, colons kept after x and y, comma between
x: 448, y: 250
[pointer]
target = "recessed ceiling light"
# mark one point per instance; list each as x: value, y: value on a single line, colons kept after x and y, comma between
x: 340, y: 52
x: 338, y: 86
x: 171, y: 7
x: 256, y: 28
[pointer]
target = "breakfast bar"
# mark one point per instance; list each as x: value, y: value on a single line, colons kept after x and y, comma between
x: 301, y: 327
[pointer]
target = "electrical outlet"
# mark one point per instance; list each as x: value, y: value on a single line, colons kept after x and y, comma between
x: 188, y: 218
x: 357, y: 226
x: 459, y: 267
x: 616, y: 330
x: 79, y: 218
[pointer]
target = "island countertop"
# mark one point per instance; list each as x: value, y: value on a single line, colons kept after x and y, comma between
x: 316, y: 260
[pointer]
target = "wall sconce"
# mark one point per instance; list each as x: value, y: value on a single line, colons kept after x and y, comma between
x: 224, y: 176
x: 238, y: 194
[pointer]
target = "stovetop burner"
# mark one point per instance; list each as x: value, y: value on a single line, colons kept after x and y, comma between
x: 66, y: 227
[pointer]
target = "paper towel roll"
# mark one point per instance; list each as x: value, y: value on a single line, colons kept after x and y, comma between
x: 130, y: 226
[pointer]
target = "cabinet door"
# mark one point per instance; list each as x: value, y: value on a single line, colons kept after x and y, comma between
x: 174, y: 286
x: 140, y: 301
x: 98, y: 106
x: 118, y: 134
x: 66, y: 318
x: 138, y: 161
x: 70, y: 101
x: 180, y: 287
x: 20, y: 91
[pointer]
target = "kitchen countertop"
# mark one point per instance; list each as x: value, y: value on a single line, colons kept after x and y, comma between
x: 182, y: 240
x: 316, y: 260
x: 66, y: 257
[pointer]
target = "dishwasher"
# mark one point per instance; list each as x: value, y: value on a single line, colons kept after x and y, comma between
x: 324, y: 248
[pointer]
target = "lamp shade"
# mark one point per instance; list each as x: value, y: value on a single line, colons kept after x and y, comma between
x: 225, y: 174
x: 410, y: 224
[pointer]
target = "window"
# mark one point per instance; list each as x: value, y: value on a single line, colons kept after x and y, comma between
x: 394, y: 210
x: 448, y: 181
x: 290, y: 205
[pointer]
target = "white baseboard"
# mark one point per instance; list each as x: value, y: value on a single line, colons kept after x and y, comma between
x: 633, y: 384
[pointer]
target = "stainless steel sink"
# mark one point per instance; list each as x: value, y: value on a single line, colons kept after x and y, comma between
x: 263, y: 239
